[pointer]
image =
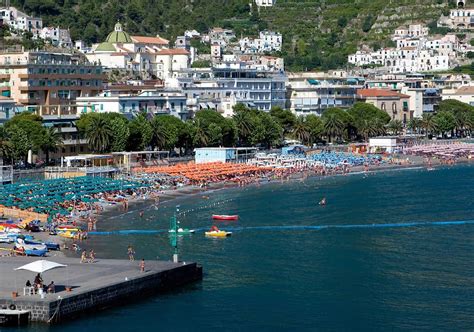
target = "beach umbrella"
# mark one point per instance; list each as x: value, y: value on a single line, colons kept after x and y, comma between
x: 40, y: 266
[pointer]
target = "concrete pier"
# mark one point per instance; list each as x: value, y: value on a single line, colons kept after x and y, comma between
x: 105, y: 283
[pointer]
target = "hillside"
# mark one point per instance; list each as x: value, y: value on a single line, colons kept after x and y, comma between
x: 318, y: 34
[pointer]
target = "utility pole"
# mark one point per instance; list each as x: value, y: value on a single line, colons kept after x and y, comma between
x: 174, y: 234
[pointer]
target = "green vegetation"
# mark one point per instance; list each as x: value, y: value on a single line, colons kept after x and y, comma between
x: 106, y: 132
x: 317, y: 34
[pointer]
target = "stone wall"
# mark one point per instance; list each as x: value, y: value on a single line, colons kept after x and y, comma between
x: 53, y: 311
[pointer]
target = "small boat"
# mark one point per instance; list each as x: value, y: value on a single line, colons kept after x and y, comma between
x: 67, y: 234
x: 182, y: 231
x: 218, y: 233
x: 64, y: 228
x: 225, y: 217
x: 5, y: 238
x: 49, y: 245
x: 30, y: 249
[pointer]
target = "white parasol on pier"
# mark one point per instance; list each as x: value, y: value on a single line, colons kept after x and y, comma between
x: 40, y: 266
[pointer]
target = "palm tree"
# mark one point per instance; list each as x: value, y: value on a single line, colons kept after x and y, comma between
x: 395, y: 127
x: 244, y: 125
x: 301, y: 131
x: 333, y: 126
x: 379, y: 127
x: 158, y: 136
x: 414, y: 125
x: 50, y: 141
x: 201, y: 138
x: 428, y: 123
x: 99, y: 134
x: 461, y: 120
x: 368, y: 128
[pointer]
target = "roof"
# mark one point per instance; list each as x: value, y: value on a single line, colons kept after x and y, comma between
x: 150, y: 40
x: 465, y: 90
x: 173, y: 51
x: 105, y: 47
x: 376, y: 93
x: 118, y: 35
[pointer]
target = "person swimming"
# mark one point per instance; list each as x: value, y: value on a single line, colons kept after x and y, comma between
x: 323, y: 201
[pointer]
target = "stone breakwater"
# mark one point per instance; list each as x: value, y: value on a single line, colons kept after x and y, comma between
x: 94, y: 286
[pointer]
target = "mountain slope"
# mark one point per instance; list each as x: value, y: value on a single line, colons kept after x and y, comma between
x: 318, y: 34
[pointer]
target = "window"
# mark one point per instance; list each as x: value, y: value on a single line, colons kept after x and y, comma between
x: 382, y: 107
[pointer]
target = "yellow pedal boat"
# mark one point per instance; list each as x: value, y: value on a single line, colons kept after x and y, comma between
x: 218, y: 233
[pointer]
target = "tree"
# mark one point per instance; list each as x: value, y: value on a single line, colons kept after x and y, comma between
x: 267, y: 131
x: 5, y: 145
x: 315, y: 126
x: 165, y: 132
x: 367, y: 119
x: 335, y: 122
x: 428, y: 124
x: 200, y: 135
x: 228, y: 129
x: 50, y: 142
x: 333, y: 126
x: 99, y: 134
x: 20, y: 144
x: 215, y: 135
x: 415, y: 125
x: 141, y: 133
x: 285, y: 118
x: 395, y: 127
x: 301, y: 130
x: 367, y: 128
x: 121, y: 132
x: 243, y: 119
x: 31, y: 125
x: 444, y: 122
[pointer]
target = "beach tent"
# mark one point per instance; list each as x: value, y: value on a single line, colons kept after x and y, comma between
x: 40, y: 266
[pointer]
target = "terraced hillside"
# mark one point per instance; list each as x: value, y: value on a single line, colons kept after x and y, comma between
x: 318, y: 34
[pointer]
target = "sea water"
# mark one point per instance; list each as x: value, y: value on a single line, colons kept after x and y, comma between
x: 389, y: 251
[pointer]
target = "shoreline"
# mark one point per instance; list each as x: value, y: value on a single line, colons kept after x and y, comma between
x: 110, y: 211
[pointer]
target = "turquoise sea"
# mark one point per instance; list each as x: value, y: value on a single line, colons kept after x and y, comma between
x: 389, y: 251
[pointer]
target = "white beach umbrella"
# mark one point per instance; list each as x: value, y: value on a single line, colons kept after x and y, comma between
x: 40, y: 266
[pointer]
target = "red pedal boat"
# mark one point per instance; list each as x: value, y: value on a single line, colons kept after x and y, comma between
x: 224, y: 217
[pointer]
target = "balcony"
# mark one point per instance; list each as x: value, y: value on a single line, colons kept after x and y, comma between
x: 75, y: 141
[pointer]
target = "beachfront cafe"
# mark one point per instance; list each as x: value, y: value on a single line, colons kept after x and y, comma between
x: 224, y: 155
x: 83, y: 165
x: 127, y: 160
x: 383, y: 144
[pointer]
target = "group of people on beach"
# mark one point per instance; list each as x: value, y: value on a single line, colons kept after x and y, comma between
x: 88, y: 258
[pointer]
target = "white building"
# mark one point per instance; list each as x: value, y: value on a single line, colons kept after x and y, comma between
x: 265, y: 3
x: 148, y: 56
x: 170, y: 61
x: 154, y: 102
x: 463, y: 94
x: 20, y: 21
x: 415, y: 52
x: 59, y: 37
x: 413, y: 31
x: 268, y: 42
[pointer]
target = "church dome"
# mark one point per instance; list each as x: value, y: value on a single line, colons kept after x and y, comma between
x: 118, y: 35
